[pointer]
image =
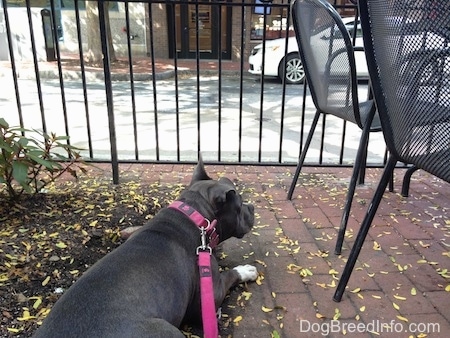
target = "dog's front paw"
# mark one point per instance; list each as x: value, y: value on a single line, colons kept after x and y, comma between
x: 246, y: 272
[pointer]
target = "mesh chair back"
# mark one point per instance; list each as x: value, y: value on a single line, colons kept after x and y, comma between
x: 407, y: 45
x: 326, y: 52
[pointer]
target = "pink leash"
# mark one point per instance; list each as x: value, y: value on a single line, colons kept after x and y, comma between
x: 204, y: 252
x: 209, y: 317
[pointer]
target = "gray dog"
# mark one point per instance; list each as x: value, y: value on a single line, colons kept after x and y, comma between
x: 149, y: 285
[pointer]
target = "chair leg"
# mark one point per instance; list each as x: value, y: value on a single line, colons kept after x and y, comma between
x: 364, y: 229
x: 360, y: 161
x: 407, y: 180
x: 391, y: 183
x: 303, y: 154
x: 362, y: 170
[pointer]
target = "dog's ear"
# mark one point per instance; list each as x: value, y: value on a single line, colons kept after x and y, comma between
x: 228, y: 191
x: 225, y: 195
x: 199, y: 172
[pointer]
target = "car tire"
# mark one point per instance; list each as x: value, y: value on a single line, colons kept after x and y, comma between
x: 294, y: 73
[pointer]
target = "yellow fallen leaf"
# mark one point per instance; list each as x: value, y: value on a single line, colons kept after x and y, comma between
x: 424, y: 245
x: 237, y: 319
x: 413, y: 291
x: 46, y: 280
x: 399, y: 297
x: 25, y: 316
x: 422, y: 261
x: 266, y: 309
x: 13, y: 330
x: 261, y: 262
x: 337, y: 314
x: 61, y: 245
x: 376, y: 246
x: 356, y: 290
x: 376, y: 297
x: 447, y: 288
x: 259, y: 280
x: 333, y: 272
x: 37, y: 303
x: 395, y: 306
x: 362, y: 308
x: 246, y: 295
x: 403, y: 318
x: 320, y: 316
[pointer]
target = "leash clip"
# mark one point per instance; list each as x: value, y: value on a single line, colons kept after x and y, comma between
x: 204, y: 246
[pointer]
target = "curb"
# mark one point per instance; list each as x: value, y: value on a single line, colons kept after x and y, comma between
x: 99, y: 75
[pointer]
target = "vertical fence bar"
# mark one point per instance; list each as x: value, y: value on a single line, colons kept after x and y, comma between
x: 108, y: 89
x: 130, y: 64
x: 60, y: 73
x: 83, y: 78
x: 175, y: 62
x: 219, y: 103
x: 197, y: 58
x: 155, y: 102
x: 13, y: 64
x: 261, y: 102
x: 283, y: 95
x: 36, y: 67
x: 241, y: 80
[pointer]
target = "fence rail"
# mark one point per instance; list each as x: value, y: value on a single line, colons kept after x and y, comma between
x: 183, y: 87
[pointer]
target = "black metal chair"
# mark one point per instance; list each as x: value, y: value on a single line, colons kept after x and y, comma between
x: 407, y: 46
x: 328, y: 57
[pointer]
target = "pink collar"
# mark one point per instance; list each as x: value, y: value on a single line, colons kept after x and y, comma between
x: 199, y: 220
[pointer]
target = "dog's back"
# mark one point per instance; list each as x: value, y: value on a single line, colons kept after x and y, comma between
x: 123, y: 293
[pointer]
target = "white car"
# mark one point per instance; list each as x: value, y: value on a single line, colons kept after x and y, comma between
x: 275, y: 57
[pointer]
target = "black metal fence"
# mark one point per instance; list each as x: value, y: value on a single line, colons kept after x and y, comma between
x: 172, y: 80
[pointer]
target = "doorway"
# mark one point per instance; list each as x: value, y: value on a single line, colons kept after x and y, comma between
x: 213, y: 24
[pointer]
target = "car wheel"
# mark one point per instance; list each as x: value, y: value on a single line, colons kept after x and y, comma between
x: 294, y: 73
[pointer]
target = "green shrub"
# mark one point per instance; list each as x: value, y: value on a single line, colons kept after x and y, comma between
x: 28, y: 164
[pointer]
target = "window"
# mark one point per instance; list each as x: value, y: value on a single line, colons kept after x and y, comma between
x: 276, y: 20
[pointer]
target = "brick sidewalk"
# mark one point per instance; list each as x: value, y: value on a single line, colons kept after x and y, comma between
x: 401, y: 276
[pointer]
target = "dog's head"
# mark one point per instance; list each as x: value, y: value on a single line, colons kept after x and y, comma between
x: 234, y: 218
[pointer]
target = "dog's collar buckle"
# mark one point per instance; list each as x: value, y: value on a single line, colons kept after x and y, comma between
x: 207, y: 227
x: 204, y: 247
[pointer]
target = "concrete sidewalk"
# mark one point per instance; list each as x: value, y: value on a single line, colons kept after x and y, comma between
x: 400, y: 286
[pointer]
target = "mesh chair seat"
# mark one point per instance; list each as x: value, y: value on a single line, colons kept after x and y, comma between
x: 365, y: 110
x: 434, y: 162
